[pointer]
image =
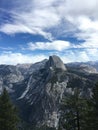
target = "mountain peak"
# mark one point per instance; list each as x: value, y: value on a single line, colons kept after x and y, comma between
x: 55, y: 62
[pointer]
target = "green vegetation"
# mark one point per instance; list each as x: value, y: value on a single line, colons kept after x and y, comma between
x: 92, y: 113
x: 79, y: 113
x: 8, y: 116
x: 75, y: 107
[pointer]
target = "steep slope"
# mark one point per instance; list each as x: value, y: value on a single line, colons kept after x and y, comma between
x: 55, y: 63
x: 9, y: 75
x: 38, y: 89
x: 44, y: 92
x: 45, y: 89
x: 88, y: 67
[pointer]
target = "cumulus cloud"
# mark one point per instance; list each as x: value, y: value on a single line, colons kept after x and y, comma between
x: 82, y: 7
x: 55, y: 45
x: 54, y: 18
x: 34, y: 19
x: 37, y: 16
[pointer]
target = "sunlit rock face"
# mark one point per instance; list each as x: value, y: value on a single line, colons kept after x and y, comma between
x: 44, y: 92
x: 38, y: 88
x: 9, y: 75
x: 55, y: 62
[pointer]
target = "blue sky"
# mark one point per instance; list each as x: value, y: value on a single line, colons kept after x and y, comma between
x: 32, y: 30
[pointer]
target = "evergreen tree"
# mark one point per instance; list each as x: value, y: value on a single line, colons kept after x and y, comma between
x: 8, y: 116
x: 74, y: 109
x: 92, y: 113
x: 95, y: 106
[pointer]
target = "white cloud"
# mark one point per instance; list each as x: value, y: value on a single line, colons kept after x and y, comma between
x: 15, y: 58
x: 78, y: 17
x: 21, y: 28
x: 16, y: 28
x: 84, y: 17
x: 55, y: 45
x: 32, y: 19
x: 88, y: 32
x: 77, y: 8
x: 37, y: 16
x: 67, y: 56
x: 72, y: 56
x: 87, y: 24
x: 45, y: 14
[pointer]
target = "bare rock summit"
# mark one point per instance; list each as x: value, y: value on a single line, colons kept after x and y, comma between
x: 55, y: 62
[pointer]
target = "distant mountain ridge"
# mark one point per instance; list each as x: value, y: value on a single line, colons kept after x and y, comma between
x: 37, y: 89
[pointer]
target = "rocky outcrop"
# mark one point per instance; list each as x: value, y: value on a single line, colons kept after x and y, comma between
x: 38, y: 89
x: 9, y: 75
x: 55, y: 62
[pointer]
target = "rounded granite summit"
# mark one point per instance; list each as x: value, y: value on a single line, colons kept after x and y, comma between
x: 56, y: 63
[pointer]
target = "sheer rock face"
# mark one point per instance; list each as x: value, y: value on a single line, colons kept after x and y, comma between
x: 55, y: 63
x: 38, y: 90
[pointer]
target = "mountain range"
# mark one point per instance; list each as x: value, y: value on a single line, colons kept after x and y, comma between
x: 37, y: 89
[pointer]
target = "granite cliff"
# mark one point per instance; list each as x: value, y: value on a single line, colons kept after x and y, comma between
x: 37, y: 89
